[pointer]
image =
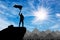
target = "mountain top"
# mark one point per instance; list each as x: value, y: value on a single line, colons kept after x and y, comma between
x: 47, y: 31
x: 42, y: 33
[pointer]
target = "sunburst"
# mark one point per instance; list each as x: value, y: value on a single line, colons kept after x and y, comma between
x: 41, y: 14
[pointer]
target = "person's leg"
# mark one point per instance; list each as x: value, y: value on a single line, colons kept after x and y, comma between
x: 19, y: 23
x: 22, y: 23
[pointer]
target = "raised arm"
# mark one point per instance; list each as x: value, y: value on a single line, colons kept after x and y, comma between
x: 19, y: 13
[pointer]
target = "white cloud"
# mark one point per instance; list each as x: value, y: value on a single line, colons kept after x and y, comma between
x: 26, y: 15
x: 3, y: 14
x: 31, y: 3
x: 3, y: 20
x: 3, y: 6
x: 6, y: 10
x: 12, y: 11
x: 55, y: 27
x: 4, y: 23
x: 58, y: 15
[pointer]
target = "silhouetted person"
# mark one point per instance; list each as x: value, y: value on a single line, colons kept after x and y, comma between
x: 21, y: 20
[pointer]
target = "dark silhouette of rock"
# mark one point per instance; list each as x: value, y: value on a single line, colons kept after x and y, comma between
x: 13, y: 33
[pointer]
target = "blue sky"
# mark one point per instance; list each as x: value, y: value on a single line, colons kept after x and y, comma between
x: 40, y: 14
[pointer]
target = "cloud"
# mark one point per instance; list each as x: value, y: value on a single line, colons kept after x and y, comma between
x: 8, y: 10
x: 31, y: 3
x: 5, y: 10
x: 4, y: 13
x: 3, y: 6
x: 4, y: 23
x: 55, y: 27
x: 11, y: 12
x: 1, y: 12
x: 58, y: 15
x: 30, y: 28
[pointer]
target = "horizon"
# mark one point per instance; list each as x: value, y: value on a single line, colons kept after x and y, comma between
x: 41, y: 14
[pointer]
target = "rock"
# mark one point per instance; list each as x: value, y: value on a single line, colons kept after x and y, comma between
x: 13, y: 33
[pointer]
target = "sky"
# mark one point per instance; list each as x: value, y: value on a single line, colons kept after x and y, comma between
x: 40, y: 14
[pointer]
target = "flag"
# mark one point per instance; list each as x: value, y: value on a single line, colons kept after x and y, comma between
x: 18, y: 6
